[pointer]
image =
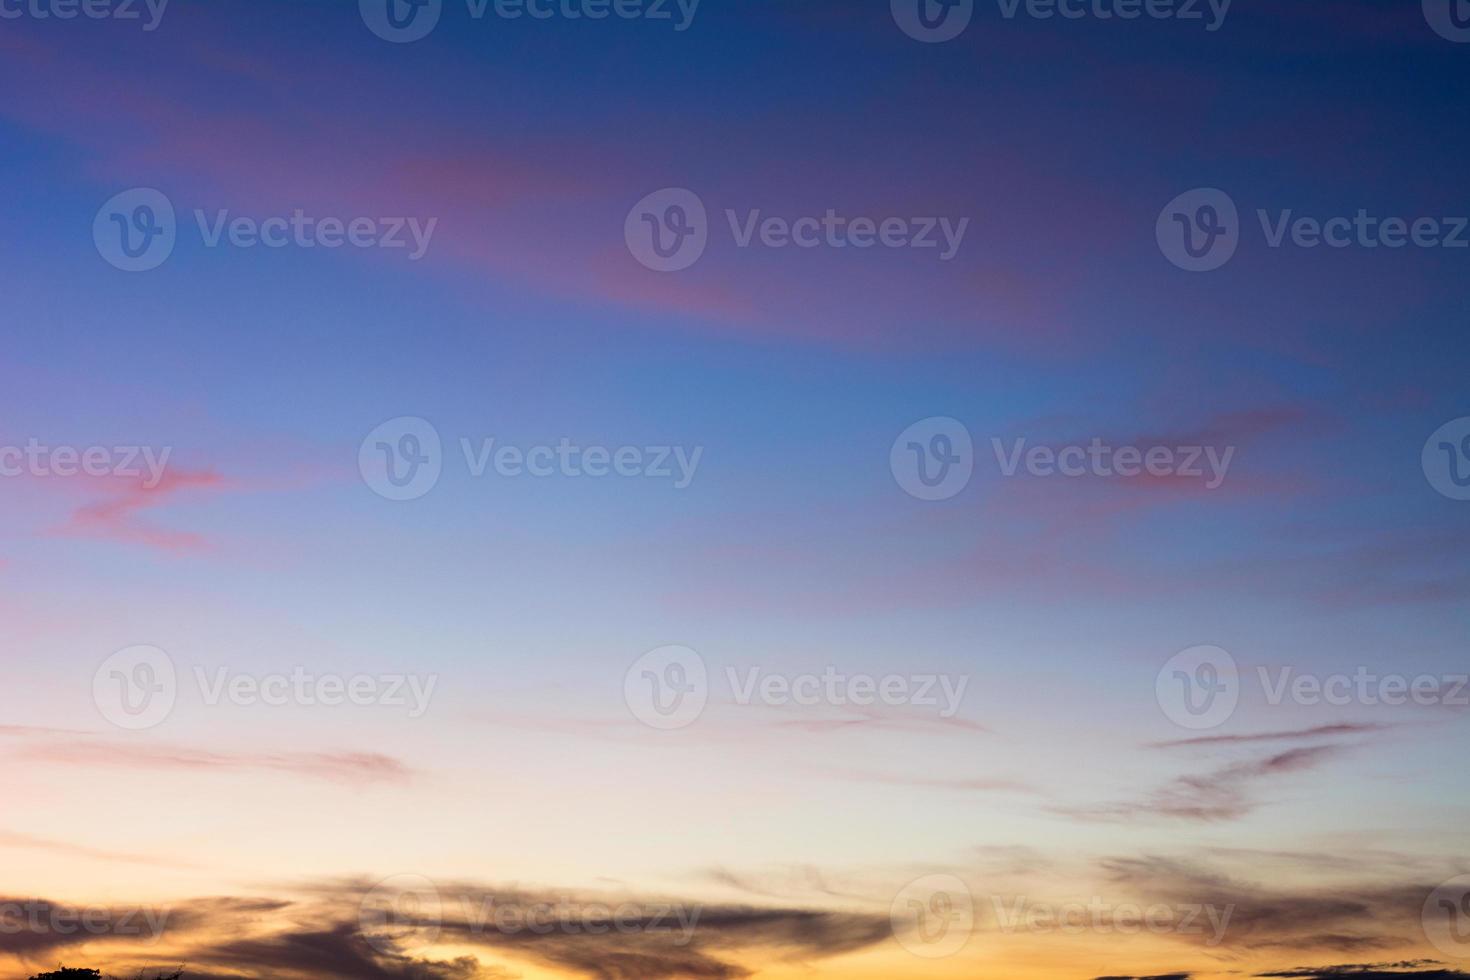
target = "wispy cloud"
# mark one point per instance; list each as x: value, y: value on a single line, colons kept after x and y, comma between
x: 349, y: 767
x: 118, y: 516
x: 1320, y: 731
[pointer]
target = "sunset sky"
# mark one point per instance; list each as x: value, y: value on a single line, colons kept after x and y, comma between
x: 506, y: 623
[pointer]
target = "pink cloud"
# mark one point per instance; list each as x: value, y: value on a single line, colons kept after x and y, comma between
x: 117, y: 517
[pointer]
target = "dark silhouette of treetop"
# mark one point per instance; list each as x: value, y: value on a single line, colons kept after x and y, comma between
x: 75, y: 973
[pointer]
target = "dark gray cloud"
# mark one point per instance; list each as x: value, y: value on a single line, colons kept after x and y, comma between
x: 1414, y: 969
x: 1222, y: 793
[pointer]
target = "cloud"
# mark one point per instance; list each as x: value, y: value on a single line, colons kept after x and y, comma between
x: 350, y: 767
x: 602, y: 936
x: 338, y: 951
x: 974, y: 784
x: 31, y: 928
x: 1421, y: 969
x: 1220, y: 794
x: 1320, y: 731
x: 117, y: 517
x: 31, y: 842
x: 1345, y: 917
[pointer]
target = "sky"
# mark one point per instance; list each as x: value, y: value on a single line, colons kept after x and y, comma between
x: 634, y: 490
